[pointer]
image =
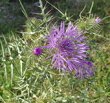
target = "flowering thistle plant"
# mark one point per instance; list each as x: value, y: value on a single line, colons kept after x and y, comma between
x: 68, y: 50
x: 27, y: 77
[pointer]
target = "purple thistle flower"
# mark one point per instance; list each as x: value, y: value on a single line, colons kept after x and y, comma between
x: 97, y: 19
x: 68, y: 50
x: 37, y: 51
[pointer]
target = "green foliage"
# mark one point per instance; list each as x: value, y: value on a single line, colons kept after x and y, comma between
x: 73, y: 7
x: 10, y: 18
x: 102, y: 7
x: 5, y: 2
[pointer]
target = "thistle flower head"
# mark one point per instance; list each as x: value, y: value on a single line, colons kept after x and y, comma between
x: 37, y: 51
x: 68, y: 50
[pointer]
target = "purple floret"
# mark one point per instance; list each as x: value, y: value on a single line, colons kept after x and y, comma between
x: 97, y: 19
x: 68, y: 50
